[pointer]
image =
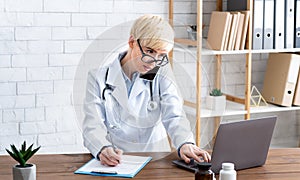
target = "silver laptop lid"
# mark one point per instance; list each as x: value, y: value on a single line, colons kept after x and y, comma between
x: 244, y: 143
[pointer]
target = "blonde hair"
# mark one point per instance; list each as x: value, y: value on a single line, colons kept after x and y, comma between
x: 153, y: 32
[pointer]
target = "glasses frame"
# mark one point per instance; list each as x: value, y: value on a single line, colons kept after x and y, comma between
x: 164, y: 61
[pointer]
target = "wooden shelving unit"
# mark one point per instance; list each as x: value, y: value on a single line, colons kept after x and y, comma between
x: 200, y: 51
x: 235, y: 105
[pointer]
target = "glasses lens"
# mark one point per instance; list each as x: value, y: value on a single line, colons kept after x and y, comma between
x: 162, y: 62
x: 148, y: 59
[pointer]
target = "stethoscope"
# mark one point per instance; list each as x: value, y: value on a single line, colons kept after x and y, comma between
x: 152, y: 105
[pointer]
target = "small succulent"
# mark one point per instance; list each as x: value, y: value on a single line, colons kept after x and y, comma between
x: 22, y: 155
x: 216, y: 92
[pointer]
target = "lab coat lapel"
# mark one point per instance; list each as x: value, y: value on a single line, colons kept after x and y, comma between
x: 115, y: 79
x: 139, y: 87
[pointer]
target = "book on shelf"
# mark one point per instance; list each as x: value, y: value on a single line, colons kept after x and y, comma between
x: 245, y: 29
x: 234, y: 29
x: 239, y: 32
x: 217, y: 30
x: 228, y: 30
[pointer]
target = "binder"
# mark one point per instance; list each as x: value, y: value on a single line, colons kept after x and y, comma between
x: 296, y: 100
x: 289, y: 24
x: 258, y: 9
x: 279, y: 16
x: 268, y: 24
x: 280, y: 78
x: 217, y: 30
x: 245, y: 29
x: 239, y: 32
x: 297, y: 24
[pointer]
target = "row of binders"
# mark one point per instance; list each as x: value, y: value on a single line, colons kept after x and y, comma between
x: 228, y: 30
x: 276, y: 23
x: 280, y: 27
x: 282, y: 79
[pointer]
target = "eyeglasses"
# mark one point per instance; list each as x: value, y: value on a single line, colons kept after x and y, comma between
x: 146, y: 58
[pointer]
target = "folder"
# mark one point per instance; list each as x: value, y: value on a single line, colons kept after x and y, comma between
x: 227, y: 32
x: 258, y: 9
x: 296, y: 100
x: 245, y: 29
x: 239, y: 32
x: 289, y: 24
x: 297, y: 24
x: 279, y: 16
x: 233, y: 29
x: 268, y: 24
x: 217, y: 30
x: 280, y: 78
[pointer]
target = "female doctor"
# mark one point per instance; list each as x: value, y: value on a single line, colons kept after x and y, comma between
x: 133, y: 105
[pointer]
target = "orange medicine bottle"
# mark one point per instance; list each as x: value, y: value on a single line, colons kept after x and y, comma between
x: 204, y: 172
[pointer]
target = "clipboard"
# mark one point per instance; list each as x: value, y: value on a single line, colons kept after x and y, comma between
x: 128, y: 167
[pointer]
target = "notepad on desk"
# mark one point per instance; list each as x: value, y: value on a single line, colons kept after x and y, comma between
x: 128, y: 167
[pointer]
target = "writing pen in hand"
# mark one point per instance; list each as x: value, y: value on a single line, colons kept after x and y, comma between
x: 112, y: 142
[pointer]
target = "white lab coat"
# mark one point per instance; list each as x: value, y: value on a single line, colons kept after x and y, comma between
x: 132, y: 127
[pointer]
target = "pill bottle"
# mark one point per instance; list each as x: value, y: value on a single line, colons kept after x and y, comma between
x: 204, y: 172
x: 227, y: 172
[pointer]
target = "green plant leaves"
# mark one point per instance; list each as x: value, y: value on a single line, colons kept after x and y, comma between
x: 22, y: 155
x: 216, y: 92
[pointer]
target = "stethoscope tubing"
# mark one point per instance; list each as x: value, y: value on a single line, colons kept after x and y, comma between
x: 152, y: 105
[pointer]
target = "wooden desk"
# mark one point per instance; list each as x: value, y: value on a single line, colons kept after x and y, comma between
x: 282, y: 164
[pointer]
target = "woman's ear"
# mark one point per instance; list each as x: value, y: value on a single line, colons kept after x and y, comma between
x: 131, y: 41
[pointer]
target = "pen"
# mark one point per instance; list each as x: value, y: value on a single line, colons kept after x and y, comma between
x: 111, y: 140
x: 104, y: 172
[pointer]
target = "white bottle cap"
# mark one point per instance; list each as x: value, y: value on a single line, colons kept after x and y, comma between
x: 227, y: 166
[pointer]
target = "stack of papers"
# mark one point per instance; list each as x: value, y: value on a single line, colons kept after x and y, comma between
x: 128, y: 167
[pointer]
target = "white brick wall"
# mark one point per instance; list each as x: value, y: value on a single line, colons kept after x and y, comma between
x: 33, y: 33
x: 30, y: 60
x: 41, y: 53
x: 5, y: 61
x: 24, y: 6
x: 52, y: 19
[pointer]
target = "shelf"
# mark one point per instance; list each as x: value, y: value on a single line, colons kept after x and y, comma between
x: 272, y: 108
x: 206, y: 51
x: 275, y: 50
x: 239, y: 109
x: 231, y: 109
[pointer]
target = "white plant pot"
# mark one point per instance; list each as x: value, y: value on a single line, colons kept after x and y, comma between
x: 24, y: 173
x: 216, y: 103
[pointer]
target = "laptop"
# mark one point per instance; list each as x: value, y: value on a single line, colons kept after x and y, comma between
x: 245, y: 143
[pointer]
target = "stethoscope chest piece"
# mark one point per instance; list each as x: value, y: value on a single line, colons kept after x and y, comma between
x: 152, y: 105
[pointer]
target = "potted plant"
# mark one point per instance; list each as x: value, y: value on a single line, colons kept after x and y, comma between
x: 23, y: 171
x: 216, y: 101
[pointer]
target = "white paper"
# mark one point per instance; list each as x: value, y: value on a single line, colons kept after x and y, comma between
x: 128, y: 165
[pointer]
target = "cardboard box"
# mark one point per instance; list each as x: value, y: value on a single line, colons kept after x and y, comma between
x: 296, y: 100
x: 281, y: 78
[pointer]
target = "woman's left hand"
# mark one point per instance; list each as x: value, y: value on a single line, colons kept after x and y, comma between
x: 188, y: 151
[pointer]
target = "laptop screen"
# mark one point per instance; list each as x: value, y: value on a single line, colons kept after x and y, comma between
x: 244, y: 143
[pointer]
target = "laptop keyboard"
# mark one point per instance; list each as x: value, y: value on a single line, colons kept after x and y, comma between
x: 192, y: 166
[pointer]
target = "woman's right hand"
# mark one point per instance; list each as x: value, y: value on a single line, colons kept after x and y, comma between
x: 110, y: 156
